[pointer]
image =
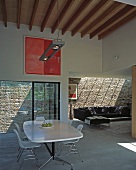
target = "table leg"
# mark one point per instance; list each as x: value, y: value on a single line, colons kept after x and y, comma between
x: 63, y: 161
x: 45, y: 163
x: 52, y: 153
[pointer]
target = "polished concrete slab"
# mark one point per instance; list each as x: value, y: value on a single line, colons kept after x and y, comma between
x: 98, y: 148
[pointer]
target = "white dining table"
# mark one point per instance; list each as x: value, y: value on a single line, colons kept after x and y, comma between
x: 58, y: 132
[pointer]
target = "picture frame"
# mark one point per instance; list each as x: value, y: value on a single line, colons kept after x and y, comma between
x: 34, y: 47
x: 72, y: 91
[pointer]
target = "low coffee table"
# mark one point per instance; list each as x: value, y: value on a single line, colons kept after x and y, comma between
x: 96, y: 120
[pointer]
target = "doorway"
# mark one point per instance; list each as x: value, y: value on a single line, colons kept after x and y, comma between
x: 22, y: 101
x: 46, y: 100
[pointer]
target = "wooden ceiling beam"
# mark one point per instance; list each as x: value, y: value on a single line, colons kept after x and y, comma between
x: 117, y: 25
x: 33, y: 14
x: 19, y: 13
x: 100, y: 5
x: 125, y: 10
x: 48, y: 13
x: 4, y: 13
x: 81, y: 8
x: 61, y: 16
x: 105, y: 14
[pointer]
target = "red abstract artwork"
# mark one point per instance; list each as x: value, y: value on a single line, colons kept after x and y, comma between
x: 72, y: 91
x: 34, y: 48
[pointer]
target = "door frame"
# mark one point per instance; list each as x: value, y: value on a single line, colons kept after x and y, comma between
x: 33, y: 116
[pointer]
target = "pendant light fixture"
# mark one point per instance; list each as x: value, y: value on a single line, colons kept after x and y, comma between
x: 54, y: 46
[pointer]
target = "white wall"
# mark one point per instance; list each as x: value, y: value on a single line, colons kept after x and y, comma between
x: 78, y: 55
x: 121, y: 43
x: 83, y: 55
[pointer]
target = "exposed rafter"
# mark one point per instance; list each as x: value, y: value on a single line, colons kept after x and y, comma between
x: 89, y: 15
x: 62, y: 14
x: 117, y: 25
x: 86, y: 17
x: 19, y: 13
x: 48, y: 13
x: 33, y: 13
x: 106, y: 14
x: 112, y: 20
x: 4, y: 12
x: 81, y: 8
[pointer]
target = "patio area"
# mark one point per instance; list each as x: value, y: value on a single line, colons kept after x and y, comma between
x: 98, y: 148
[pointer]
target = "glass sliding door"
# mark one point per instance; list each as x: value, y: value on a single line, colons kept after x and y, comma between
x: 22, y: 101
x: 46, y: 97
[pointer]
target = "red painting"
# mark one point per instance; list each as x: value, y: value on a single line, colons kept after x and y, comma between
x: 34, y: 48
x: 72, y: 91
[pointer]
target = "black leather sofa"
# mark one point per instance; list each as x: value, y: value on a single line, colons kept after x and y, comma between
x: 115, y: 113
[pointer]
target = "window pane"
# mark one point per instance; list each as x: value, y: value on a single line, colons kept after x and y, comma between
x: 16, y: 102
x: 46, y: 100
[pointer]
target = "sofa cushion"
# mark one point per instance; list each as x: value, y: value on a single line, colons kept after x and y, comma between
x: 118, y: 109
x: 92, y: 110
x: 125, y: 111
x: 81, y: 114
x: 101, y: 110
x: 112, y: 109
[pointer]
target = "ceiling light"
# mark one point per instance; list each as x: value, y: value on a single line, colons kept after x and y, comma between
x: 45, y: 59
x: 55, y: 45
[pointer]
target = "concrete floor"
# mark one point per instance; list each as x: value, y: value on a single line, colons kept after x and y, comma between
x: 98, y: 148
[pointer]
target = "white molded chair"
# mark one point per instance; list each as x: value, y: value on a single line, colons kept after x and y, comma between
x: 26, y: 146
x: 72, y: 144
x: 69, y: 122
x: 21, y: 133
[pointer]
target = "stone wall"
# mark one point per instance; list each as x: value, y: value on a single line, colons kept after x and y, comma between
x: 12, y: 99
x: 15, y: 102
x: 94, y: 91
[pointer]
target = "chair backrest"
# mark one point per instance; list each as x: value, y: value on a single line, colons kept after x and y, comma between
x: 18, y: 128
x: 70, y: 122
x: 19, y: 138
x: 40, y: 118
x: 80, y: 127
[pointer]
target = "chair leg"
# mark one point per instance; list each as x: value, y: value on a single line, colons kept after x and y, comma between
x: 33, y: 155
x: 58, y: 146
x: 21, y: 164
x: 19, y: 151
x: 33, y: 151
x: 73, y: 149
x: 19, y: 155
x: 79, y: 156
x: 60, y: 150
